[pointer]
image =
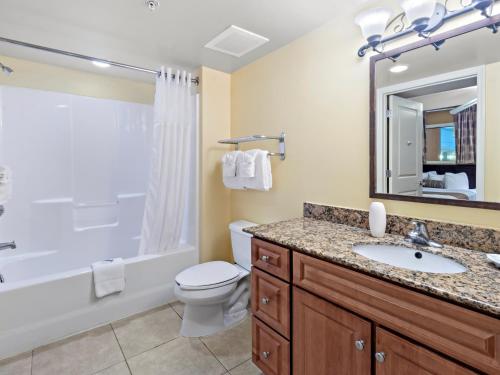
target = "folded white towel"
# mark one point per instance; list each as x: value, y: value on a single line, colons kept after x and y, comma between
x: 263, y: 179
x: 246, y: 164
x: 229, y: 162
x: 109, y: 277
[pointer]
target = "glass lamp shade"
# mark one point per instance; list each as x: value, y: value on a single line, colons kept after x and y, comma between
x: 418, y: 12
x: 373, y: 23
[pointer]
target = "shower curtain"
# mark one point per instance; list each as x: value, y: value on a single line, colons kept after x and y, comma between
x: 166, y: 197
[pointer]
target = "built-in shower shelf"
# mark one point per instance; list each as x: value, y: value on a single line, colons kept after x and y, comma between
x: 97, y: 227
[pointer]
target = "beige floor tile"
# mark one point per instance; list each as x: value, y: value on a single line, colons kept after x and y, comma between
x: 145, y: 331
x: 178, y: 307
x: 83, y: 354
x: 119, y: 369
x: 233, y: 346
x: 181, y: 356
x: 247, y: 368
x: 18, y: 365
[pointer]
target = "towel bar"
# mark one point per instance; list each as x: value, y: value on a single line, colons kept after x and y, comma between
x: 257, y: 138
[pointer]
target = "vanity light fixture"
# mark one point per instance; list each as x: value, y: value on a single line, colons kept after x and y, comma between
x: 420, y: 16
x: 101, y: 64
x: 373, y: 24
x: 418, y: 12
x: 483, y: 6
x: 399, y: 68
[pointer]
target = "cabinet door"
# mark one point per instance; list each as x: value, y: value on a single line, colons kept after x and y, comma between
x: 396, y: 356
x: 328, y: 339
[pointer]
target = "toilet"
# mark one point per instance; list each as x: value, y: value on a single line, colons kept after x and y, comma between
x: 216, y: 294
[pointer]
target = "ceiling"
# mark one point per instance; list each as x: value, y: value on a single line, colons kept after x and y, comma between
x: 126, y: 31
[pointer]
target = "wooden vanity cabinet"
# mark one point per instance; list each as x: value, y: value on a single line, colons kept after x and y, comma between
x: 328, y: 339
x: 394, y: 355
x: 332, y: 320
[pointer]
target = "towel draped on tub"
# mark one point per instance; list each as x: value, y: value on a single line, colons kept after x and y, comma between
x: 109, y: 277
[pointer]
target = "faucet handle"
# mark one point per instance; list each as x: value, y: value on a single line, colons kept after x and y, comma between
x: 420, y: 228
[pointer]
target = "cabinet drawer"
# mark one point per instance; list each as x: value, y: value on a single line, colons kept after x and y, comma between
x: 271, y: 258
x: 270, y: 351
x: 397, y: 356
x: 271, y: 301
x: 468, y: 336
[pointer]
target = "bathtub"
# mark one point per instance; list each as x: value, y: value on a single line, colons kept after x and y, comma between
x: 48, y: 295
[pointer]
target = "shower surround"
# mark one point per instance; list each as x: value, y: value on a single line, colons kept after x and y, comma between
x: 80, y: 169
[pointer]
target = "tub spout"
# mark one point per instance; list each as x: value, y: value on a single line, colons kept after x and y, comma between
x: 8, y: 245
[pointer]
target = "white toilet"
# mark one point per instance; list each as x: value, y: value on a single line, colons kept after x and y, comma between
x: 216, y: 294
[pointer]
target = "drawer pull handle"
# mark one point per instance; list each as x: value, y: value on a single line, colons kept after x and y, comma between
x: 265, y: 301
x: 266, y: 355
x: 264, y: 258
x: 380, y: 357
x: 359, y: 344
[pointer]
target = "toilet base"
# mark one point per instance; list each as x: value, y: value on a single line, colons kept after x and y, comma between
x: 201, y: 320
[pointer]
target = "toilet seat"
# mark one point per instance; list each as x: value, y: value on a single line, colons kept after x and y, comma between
x: 208, y: 275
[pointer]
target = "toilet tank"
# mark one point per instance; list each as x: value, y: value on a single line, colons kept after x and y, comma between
x: 241, y: 243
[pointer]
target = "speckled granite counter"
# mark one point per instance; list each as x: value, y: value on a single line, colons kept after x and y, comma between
x: 478, y: 288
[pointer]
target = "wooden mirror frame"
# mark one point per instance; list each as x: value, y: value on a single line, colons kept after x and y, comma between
x: 373, y: 162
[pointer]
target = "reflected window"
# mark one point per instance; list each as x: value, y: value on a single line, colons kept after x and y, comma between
x: 447, y: 144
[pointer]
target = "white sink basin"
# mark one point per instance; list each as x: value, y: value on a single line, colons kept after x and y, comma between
x: 410, y: 259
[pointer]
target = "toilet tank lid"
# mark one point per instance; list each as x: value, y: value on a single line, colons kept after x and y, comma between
x: 238, y: 226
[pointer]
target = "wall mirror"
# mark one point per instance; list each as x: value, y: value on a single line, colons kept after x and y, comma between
x: 435, y: 120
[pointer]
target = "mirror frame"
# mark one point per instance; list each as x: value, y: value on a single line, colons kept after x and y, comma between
x: 373, y: 162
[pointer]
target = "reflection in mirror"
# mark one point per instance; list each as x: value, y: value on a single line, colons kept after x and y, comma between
x: 438, y: 120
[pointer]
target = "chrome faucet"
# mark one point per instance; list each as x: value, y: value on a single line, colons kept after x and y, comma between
x: 8, y: 245
x: 420, y: 235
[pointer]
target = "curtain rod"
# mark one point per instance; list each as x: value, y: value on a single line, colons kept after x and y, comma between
x: 195, y: 80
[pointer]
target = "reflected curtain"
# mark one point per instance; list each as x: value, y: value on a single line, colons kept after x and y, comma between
x: 168, y: 188
x: 424, y: 148
x: 465, y: 135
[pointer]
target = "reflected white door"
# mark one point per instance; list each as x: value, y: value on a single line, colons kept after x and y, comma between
x: 406, y: 125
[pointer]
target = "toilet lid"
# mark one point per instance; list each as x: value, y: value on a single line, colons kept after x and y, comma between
x: 206, y: 274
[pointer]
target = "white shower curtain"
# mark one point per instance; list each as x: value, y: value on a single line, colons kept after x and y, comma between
x: 167, y: 194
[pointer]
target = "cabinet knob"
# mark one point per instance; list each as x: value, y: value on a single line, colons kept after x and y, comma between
x: 359, y: 344
x: 380, y: 357
x: 266, y: 355
x: 265, y: 301
x: 264, y: 258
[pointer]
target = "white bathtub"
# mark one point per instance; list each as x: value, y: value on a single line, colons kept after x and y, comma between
x: 48, y: 295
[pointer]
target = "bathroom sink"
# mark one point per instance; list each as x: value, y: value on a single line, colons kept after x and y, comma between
x: 411, y: 259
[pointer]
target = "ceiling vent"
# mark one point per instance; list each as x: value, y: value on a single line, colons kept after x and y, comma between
x: 236, y: 41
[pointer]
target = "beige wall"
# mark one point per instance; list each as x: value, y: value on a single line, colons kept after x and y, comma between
x: 54, y: 78
x: 316, y: 90
x: 492, y: 134
x: 215, y: 214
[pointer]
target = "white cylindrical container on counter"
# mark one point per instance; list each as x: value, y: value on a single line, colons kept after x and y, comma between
x: 377, y: 219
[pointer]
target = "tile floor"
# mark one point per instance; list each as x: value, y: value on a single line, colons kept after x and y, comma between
x: 144, y: 344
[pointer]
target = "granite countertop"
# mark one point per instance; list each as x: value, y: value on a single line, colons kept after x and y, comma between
x: 478, y: 288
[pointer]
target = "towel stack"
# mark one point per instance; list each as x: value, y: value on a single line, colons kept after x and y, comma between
x: 5, y: 184
x: 247, y: 170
